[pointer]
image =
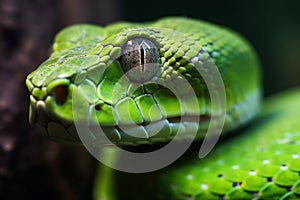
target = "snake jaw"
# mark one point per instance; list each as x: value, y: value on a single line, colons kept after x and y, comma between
x: 50, y: 111
x: 46, y: 118
x: 48, y: 124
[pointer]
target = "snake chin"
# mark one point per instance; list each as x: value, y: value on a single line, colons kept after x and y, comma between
x: 160, y: 131
x: 50, y: 126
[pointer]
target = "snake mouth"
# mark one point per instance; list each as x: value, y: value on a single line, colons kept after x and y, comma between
x: 51, y: 113
x: 189, y: 118
x: 162, y: 130
x: 49, y: 125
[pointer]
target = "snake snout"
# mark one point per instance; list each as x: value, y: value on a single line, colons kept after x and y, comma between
x: 46, y: 116
x: 51, y: 109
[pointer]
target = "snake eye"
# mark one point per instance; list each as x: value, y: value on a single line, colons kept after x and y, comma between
x: 60, y: 94
x: 140, y: 59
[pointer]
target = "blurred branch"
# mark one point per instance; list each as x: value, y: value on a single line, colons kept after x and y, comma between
x: 25, y: 27
x: 30, y: 166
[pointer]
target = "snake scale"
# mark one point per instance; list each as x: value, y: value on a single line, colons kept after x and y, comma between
x: 125, y: 74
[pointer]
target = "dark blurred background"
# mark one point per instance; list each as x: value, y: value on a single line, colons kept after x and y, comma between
x: 32, y: 167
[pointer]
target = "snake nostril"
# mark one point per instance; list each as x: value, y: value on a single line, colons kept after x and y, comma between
x: 60, y: 94
x: 97, y: 107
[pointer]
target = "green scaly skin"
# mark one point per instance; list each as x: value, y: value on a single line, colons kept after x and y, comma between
x: 85, y: 63
x: 262, y: 162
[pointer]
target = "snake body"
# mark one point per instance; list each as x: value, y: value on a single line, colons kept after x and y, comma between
x: 261, y: 162
x: 108, y: 71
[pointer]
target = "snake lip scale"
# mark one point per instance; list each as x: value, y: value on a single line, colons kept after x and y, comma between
x: 43, y: 121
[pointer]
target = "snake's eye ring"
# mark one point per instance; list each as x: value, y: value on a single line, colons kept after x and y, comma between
x: 140, y: 59
x: 60, y: 94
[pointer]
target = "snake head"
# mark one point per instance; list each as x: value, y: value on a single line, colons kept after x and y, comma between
x: 111, y: 79
x: 145, y: 79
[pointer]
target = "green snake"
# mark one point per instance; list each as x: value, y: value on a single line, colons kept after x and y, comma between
x: 125, y: 75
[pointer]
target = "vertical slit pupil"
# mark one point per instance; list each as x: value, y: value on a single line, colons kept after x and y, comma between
x: 142, y: 57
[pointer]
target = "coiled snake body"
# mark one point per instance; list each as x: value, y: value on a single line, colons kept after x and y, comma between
x: 130, y: 75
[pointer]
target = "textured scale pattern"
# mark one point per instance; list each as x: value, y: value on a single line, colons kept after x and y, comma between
x: 84, y: 64
x: 263, y: 162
